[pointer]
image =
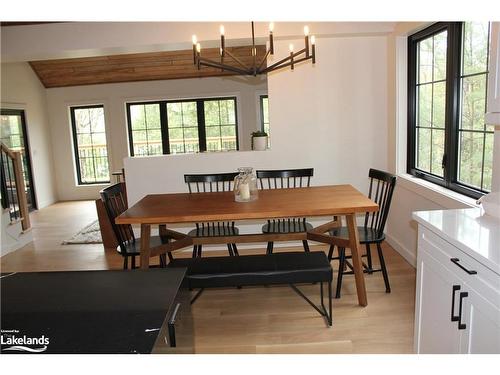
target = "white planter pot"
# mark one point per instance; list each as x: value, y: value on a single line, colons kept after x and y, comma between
x: 260, y: 143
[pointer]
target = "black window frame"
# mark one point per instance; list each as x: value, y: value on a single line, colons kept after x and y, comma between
x: 261, y: 105
x: 72, y: 110
x: 452, y: 108
x: 200, y: 110
x: 33, y: 205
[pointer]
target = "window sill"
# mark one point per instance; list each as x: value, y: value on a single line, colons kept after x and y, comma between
x: 437, y: 194
x: 91, y: 185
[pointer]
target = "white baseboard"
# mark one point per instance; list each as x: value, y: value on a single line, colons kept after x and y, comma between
x: 406, y: 253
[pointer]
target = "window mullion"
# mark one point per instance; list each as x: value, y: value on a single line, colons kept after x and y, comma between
x: 165, y: 139
x: 452, y: 102
x: 202, y: 137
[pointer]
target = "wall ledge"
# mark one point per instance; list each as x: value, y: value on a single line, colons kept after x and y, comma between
x: 435, y: 193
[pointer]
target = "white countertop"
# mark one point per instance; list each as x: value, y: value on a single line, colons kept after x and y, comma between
x: 466, y: 229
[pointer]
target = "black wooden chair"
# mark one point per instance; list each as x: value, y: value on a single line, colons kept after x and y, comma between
x: 202, y: 183
x: 286, y: 179
x: 115, y: 201
x: 372, y: 232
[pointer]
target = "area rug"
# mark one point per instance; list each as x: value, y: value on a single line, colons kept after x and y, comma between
x: 90, y: 234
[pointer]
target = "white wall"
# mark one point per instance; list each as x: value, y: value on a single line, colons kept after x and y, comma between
x: 331, y: 116
x: 114, y: 97
x: 21, y: 89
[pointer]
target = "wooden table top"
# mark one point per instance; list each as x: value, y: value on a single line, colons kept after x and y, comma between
x: 274, y: 203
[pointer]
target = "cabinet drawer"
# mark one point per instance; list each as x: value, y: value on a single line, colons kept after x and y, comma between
x: 484, y: 281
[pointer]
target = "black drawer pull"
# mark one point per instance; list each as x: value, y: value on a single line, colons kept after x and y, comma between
x: 454, y: 318
x: 460, y: 324
x: 456, y: 260
x: 171, y: 326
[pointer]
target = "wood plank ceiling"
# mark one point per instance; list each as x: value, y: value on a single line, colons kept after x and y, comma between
x: 134, y: 67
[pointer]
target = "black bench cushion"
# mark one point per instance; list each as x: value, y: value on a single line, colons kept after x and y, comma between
x: 278, y: 268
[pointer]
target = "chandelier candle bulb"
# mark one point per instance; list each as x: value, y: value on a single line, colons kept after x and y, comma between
x: 271, y: 41
x: 313, y: 43
x: 222, y: 40
x: 195, y: 40
x: 198, y: 51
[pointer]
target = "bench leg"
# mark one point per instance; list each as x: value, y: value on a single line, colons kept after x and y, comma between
x: 198, y: 293
x: 230, y: 250
x: 323, y: 312
x: 328, y: 314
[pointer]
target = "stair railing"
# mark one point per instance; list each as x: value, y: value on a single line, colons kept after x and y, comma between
x: 13, y: 189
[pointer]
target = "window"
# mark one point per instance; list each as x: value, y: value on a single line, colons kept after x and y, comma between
x: 220, y: 125
x: 264, y: 117
x: 145, y: 129
x: 89, y: 138
x: 448, y: 142
x: 183, y: 132
x: 182, y: 126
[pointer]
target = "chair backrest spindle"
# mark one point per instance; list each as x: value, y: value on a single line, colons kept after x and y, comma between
x: 381, y: 189
x: 285, y: 178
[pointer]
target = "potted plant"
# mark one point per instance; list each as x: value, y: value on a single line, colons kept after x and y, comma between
x: 259, y: 141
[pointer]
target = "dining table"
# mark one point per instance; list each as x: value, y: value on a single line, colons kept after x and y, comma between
x: 318, y: 201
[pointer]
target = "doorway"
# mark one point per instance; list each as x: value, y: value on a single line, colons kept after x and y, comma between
x: 13, y: 134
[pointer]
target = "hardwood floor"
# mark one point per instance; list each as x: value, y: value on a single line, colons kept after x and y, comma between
x: 252, y: 319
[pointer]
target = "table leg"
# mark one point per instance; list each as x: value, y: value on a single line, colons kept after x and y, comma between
x: 356, y: 259
x: 145, y: 249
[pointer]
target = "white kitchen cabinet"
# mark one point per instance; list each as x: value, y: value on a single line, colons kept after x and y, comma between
x: 493, y: 100
x: 482, y: 320
x: 457, y: 306
x: 434, y: 285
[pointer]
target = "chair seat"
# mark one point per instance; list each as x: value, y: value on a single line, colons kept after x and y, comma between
x: 279, y: 268
x: 133, y: 248
x: 216, y: 230
x: 366, y: 235
x: 287, y: 226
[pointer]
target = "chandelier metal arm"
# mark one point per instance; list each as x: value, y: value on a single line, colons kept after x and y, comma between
x: 264, y: 59
x: 237, y: 60
x: 287, y: 64
x: 209, y: 63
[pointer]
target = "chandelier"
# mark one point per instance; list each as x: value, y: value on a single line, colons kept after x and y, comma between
x: 258, y: 67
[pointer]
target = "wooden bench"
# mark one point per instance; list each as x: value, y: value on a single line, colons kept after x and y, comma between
x: 244, y: 270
